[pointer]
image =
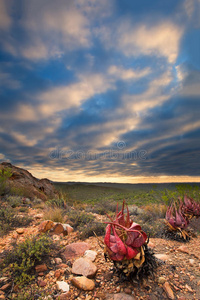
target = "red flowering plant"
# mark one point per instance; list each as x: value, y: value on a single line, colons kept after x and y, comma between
x: 191, y: 208
x: 176, y: 220
x: 125, y: 242
x: 179, y: 214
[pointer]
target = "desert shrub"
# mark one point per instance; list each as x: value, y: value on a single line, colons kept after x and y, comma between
x: 22, y: 259
x: 156, y: 210
x: 102, y: 208
x: 8, y: 220
x: 23, y: 209
x: 89, y: 229
x: 54, y: 214
x: 56, y: 203
x: 79, y: 219
x: 14, y: 201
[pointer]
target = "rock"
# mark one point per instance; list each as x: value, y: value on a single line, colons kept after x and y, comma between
x: 84, y: 266
x: 64, y: 296
x: 41, y: 268
x: 162, y: 257
x: 57, y: 273
x: 83, y: 283
x: 63, y: 286
x: 183, y: 249
x: 68, y: 228
x: 161, y: 280
x: 58, y: 228
x: 123, y: 296
x: 168, y: 290
x: 42, y: 283
x: 46, y: 226
x: 90, y: 254
x: 58, y: 260
x: 128, y: 291
x: 75, y: 249
x: 188, y: 288
x: 20, y: 230
x: 191, y: 262
x: 38, y: 216
x: 22, y: 179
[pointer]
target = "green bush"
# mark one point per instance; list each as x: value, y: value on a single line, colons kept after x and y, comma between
x: 24, y: 256
x: 56, y: 203
x: 14, y: 201
x: 93, y: 228
x: 8, y: 220
x: 78, y: 219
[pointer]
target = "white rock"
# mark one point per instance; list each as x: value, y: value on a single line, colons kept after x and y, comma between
x: 191, y: 262
x: 62, y: 285
x: 90, y: 254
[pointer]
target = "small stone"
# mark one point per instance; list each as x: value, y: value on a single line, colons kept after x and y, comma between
x: 58, y: 260
x: 75, y: 249
x: 118, y: 289
x: 183, y: 249
x: 41, y: 268
x: 83, y: 266
x: 39, y: 216
x: 57, y: 274
x: 168, y: 290
x: 128, y: 291
x: 161, y: 280
x: 162, y: 257
x: 20, y: 230
x: 83, y: 283
x: 90, y: 254
x: 123, y: 296
x: 191, y: 262
x: 64, y: 296
x: 63, y: 286
x: 58, y: 228
x: 42, y: 283
x: 67, y: 228
x: 188, y: 288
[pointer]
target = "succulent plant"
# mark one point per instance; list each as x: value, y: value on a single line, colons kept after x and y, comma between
x: 175, y: 217
x: 190, y: 208
x: 124, y: 238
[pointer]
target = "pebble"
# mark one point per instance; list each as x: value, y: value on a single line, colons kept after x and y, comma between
x: 75, y: 249
x: 161, y: 280
x: 183, y: 249
x: 58, y: 260
x: 191, y: 262
x: 168, y: 290
x: 20, y: 230
x: 41, y: 268
x: 84, y: 266
x: 90, y: 254
x: 63, y: 286
x: 162, y: 257
x: 83, y: 283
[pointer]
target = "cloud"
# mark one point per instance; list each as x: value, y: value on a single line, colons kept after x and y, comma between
x: 6, y: 81
x: 161, y: 40
x: 127, y: 74
x: 5, y: 19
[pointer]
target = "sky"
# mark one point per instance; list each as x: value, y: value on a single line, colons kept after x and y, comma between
x: 104, y: 90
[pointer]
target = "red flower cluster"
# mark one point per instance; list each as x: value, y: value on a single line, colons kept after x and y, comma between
x: 179, y: 218
x: 123, y: 238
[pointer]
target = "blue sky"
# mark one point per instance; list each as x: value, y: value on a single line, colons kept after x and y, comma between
x: 101, y: 90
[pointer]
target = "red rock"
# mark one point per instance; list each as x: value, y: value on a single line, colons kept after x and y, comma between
x: 41, y: 274
x: 42, y: 283
x: 58, y: 228
x: 46, y: 226
x: 84, y: 266
x: 20, y: 230
x: 183, y: 249
x: 75, y: 249
x: 168, y: 290
x: 57, y: 273
x: 41, y: 268
x: 58, y: 260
